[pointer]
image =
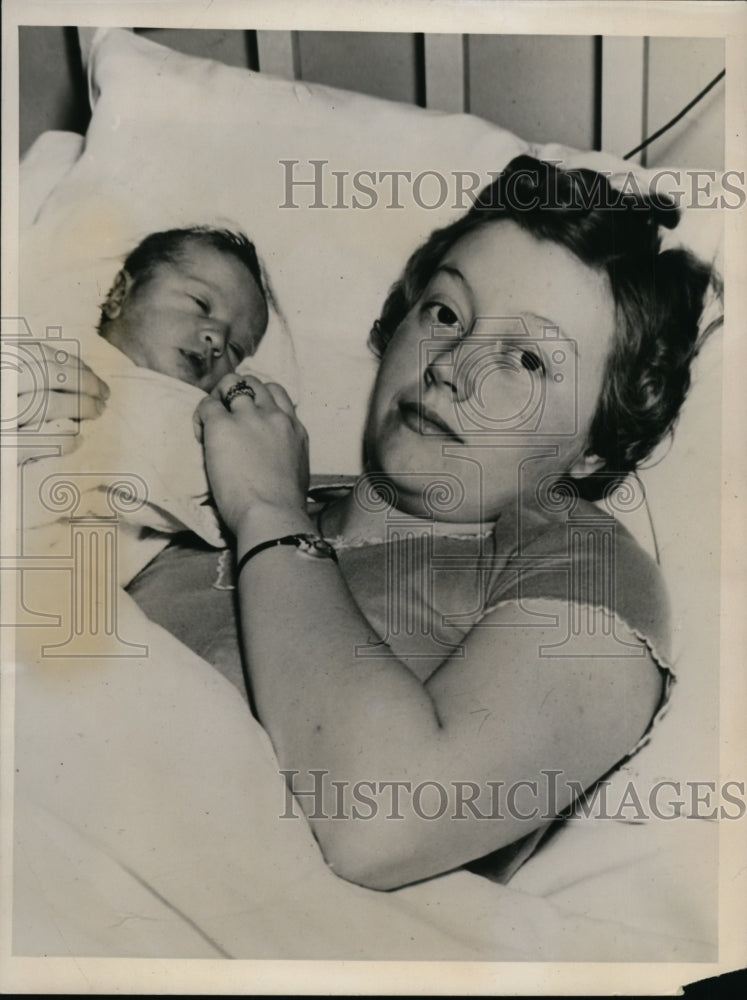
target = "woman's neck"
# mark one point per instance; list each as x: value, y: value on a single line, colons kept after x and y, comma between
x: 360, y: 518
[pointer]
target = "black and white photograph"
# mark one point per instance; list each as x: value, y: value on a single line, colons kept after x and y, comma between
x: 372, y: 510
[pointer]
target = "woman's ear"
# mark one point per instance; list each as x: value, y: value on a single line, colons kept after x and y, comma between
x: 586, y: 465
x: 117, y: 295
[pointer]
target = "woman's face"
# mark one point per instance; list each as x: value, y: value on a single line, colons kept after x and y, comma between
x: 490, y: 383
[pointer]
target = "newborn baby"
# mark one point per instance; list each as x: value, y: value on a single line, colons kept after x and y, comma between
x: 186, y: 308
x: 189, y: 303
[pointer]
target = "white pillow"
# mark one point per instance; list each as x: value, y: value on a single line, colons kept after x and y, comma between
x: 42, y: 167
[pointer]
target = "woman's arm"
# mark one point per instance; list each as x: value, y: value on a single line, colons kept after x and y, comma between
x: 358, y: 730
x: 501, y: 713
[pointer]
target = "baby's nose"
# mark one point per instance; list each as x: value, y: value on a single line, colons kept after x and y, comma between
x: 213, y: 337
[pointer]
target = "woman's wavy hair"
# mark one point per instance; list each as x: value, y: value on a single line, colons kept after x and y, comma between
x: 658, y: 295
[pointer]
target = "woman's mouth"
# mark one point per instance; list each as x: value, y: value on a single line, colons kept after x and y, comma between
x: 422, y: 420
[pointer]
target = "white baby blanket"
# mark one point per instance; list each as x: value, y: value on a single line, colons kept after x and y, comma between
x: 143, y: 448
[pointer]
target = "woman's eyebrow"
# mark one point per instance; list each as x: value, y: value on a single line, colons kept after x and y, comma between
x: 454, y: 272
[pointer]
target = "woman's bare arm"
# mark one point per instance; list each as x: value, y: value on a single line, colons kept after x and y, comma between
x: 501, y: 713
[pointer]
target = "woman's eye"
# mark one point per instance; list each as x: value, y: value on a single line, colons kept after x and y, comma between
x: 531, y: 361
x: 525, y: 358
x: 446, y: 316
x: 202, y: 303
x: 442, y: 315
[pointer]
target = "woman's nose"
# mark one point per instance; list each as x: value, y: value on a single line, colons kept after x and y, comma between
x: 443, y: 369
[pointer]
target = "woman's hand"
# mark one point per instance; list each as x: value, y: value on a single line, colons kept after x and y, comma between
x: 256, y: 452
x: 61, y: 387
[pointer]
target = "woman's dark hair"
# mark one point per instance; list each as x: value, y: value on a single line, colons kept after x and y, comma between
x: 658, y: 296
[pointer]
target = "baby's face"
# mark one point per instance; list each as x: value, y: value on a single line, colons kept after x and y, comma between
x: 194, y: 319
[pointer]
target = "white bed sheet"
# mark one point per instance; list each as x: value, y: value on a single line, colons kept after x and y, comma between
x: 148, y: 808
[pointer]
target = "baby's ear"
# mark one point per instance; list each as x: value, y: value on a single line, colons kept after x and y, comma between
x: 117, y: 294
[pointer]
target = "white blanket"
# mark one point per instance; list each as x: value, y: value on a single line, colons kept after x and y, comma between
x: 144, y: 447
x: 148, y: 824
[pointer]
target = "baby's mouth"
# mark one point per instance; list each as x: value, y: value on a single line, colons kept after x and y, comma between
x: 198, y: 364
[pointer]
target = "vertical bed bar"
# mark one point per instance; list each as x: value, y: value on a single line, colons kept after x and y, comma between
x: 278, y: 53
x: 446, y: 73
x: 624, y: 67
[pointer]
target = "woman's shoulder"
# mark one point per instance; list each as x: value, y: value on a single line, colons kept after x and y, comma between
x: 552, y: 526
x: 579, y: 552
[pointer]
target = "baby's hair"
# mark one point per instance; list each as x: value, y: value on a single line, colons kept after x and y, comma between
x: 167, y: 247
x: 658, y: 296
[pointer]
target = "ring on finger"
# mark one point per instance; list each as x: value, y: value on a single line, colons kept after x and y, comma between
x: 241, y: 388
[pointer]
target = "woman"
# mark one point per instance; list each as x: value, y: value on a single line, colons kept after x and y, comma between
x: 476, y: 626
